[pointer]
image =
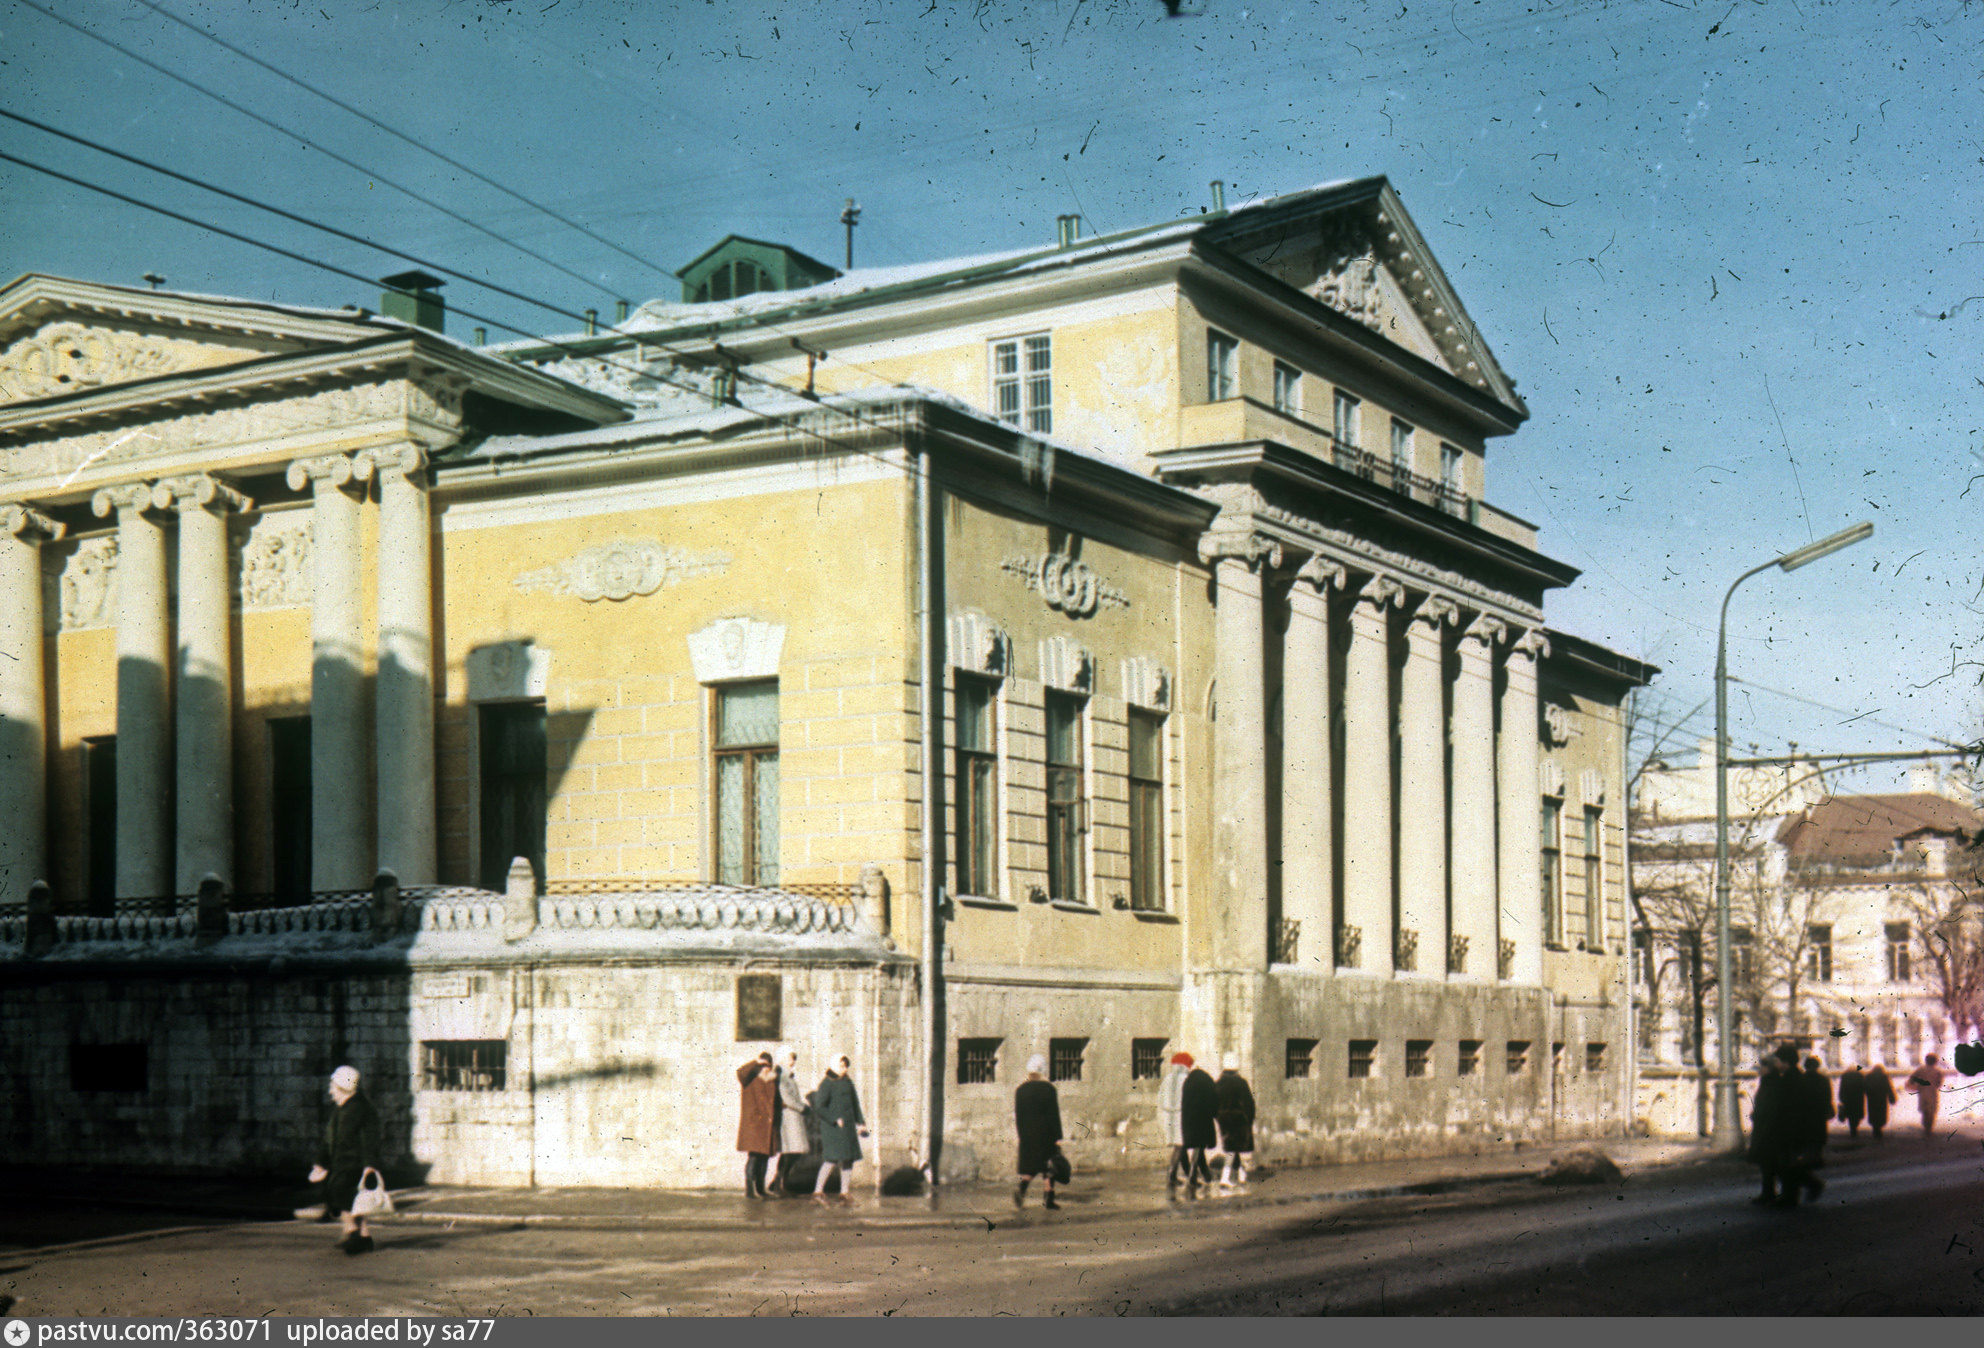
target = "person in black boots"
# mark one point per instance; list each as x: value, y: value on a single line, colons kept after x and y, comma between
x: 1771, y: 1111
x: 1199, y: 1109
x: 1235, y: 1117
x: 757, y: 1121
x: 1037, y: 1115
x: 351, y: 1148
x: 1879, y: 1089
x: 1852, y: 1099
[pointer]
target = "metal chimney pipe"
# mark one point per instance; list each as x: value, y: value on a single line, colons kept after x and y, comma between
x: 619, y: 311
x: 592, y: 322
x: 1218, y: 194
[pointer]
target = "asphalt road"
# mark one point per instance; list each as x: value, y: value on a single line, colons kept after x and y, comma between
x: 1899, y: 1231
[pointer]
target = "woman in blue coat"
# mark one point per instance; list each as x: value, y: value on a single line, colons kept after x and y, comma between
x: 838, y: 1108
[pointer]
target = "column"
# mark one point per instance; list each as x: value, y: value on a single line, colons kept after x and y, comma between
x: 1473, y: 826
x: 144, y: 663
x: 1421, y: 941
x: 204, y: 744
x: 1240, y: 780
x: 405, y: 688
x: 23, y: 702
x: 1367, y: 781
x: 340, y: 850
x: 1520, y: 804
x: 1308, y: 886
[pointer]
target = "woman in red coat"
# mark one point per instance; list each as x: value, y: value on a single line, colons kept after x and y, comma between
x: 757, y: 1121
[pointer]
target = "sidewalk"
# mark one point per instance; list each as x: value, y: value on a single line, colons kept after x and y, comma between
x: 1092, y: 1197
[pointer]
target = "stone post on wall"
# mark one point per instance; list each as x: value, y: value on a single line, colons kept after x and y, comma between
x: 519, y: 900
x: 23, y: 700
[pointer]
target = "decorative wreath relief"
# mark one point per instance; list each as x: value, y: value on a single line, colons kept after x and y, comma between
x: 1066, y: 584
x: 622, y: 569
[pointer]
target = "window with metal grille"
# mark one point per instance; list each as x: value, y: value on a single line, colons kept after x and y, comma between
x: 745, y: 733
x: 1066, y: 807
x: 1553, y: 887
x: 1594, y: 1057
x: 512, y: 764
x: 1146, y: 811
x: 978, y: 1061
x: 1469, y: 1062
x: 1897, y: 934
x: 1346, y: 420
x: 1064, y: 1059
x: 1517, y: 1061
x: 1222, y: 356
x: 1594, y: 897
x: 1300, y: 1062
x: 110, y: 1067
x: 1401, y: 453
x: 977, y: 787
x: 1287, y: 389
x: 1023, y: 382
x: 1418, y: 1057
x: 1818, y: 952
x: 1147, y: 1059
x: 1363, y: 1059
x: 463, y: 1064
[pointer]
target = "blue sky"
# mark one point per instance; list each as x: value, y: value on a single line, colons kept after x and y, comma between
x: 1728, y: 249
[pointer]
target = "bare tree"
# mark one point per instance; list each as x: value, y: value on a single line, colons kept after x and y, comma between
x: 1947, y: 922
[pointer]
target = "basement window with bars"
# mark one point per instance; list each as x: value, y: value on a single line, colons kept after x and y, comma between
x: 1419, y: 1057
x: 1064, y: 1059
x: 1300, y: 1062
x: 1023, y: 382
x: 1594, y: 1057
x: 1469, y: 1063
x: 1147, y: 1059
x: 978, y: 1061
x: 1518, y: 1059
x: 463, y: 1064
x: 1363, y: 1059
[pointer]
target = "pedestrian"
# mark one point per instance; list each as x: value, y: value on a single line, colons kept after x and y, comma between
x: 793, y: 1143
x: 1852, y: 1099
x: 1927, y: 1083
x: 1234, y: 1099
x: 1775, y: 1128
x: 1880, y: 1094
x: 838, y: 1108
x: 1198, y: 1108
x: 1815, y: 1120
x: 757, y: 1121
x: 350, y: 1150
x: 1037, y: 1116
x: 1171, y: 1118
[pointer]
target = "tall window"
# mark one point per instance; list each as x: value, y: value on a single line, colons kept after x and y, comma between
x: 511, y: 765
x: 1553, y: 886
x: 1643, y: 957
x: 1065, y: 822
x: 1401, y: 452
x: 1287, y: 389
x: 1346, y: 420
x: 289, y: 806
x: 1023, y: 382
x: 977, y: 787
x: 1898, y: 971
x: 1146, y: 811
x: 100, y: 785
x: 1222, y: 357
x: 746, y: 740
x: 1450, y: 462
x: 1594, y: 898
x: 1818, y: 952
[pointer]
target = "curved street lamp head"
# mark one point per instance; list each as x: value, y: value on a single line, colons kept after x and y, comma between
x: 1825, y: 547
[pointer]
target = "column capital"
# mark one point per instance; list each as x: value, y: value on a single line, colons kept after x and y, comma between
x: 29, y: 525
x: 404, y: 460
x: 133, y: 496
x: 1381, y: 592
x: 326, y: 472
x: 1486, y: 629
x: 198, y: 491
x: 1321, y: 574
x: 1531, y: 644
x: 1257, y: 551
x: 1436, y: 611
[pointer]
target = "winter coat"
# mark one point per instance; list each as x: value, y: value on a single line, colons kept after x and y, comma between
x: 1198, y: 1103
x: 1037, y: 1116
x: 1852, y: 1096
x: 1880, y: 1094
x: 792, y: 1137
x: 350, y: 1148
x: 757, y: 1111
x: 838, y: 1108
x: 1773, y: 1119
x: 1171, y: 1105
x: 1815, y: 1112
x: 1235, y: 1101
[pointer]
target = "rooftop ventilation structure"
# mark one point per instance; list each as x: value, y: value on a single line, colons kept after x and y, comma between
x: 739, y: 266
x: 414, y: 297
x: 1069, y: 229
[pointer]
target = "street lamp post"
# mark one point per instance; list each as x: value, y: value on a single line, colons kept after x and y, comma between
x: 1728, y: 1127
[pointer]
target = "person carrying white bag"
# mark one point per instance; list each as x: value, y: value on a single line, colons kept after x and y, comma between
x: 348, y: 1163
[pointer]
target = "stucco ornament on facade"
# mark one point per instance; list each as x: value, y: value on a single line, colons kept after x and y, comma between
x: 622, y: 569
x: 980, y: 645
x: 1067, y: 665
x: 79, y: 589
x: 69, y: 357
x: 1349, y: 280
x: 736, y: 648
x: 1068, y: 586
x: 275, y: 562
x: 1560, y: 724
x: 1146, y: 683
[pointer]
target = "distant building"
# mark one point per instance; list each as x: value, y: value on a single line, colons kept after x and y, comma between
x: 1249, y: 735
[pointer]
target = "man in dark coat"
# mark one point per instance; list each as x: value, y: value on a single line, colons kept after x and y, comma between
x: 1199, y: 1107
x: 1815, y: 1091
x: 837, y: 1105
x: 757, y: 1121
x: 1880, y: 1094
x: 350, y: 1149
x: 1235, y: 1117
x: 1771, y: 1114
x: 1852, y: 1099
x: 1037, y: 1116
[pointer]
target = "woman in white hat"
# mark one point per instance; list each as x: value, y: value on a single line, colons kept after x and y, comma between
x: 1037, y: 1116
x: 838, y: 1108
x: 351, y: 1148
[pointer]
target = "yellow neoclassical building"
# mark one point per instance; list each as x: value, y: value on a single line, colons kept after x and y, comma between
x: 544, y: 725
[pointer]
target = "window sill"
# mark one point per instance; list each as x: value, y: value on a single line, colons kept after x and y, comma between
x: 996, y: 905
x: 1067, y: 907
x: 1154, y: 915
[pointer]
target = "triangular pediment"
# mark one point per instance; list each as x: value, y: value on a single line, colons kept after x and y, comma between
x: 1339, y: 265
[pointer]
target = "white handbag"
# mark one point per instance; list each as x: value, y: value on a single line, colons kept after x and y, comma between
x: 371, y: 1200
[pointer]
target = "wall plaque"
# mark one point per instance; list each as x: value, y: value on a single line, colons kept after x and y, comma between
x: 760, y: 1002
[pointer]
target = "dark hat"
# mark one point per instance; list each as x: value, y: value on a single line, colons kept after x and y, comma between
x: 1787, y: 1053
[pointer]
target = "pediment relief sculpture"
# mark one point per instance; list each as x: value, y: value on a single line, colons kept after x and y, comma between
x: 1344, y: 269
x: 69, y: 357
